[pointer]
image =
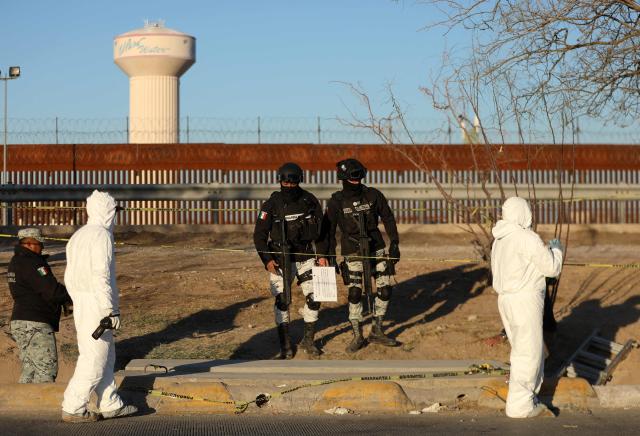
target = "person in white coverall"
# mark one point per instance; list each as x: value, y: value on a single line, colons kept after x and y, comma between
x: 520, y: 261
x: 91, y: 282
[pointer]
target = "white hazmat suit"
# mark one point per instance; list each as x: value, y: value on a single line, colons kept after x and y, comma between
x: 91, y: 281
x: 520, y: 261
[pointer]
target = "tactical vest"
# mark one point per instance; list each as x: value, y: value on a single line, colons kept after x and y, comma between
x: 302, y: 226
x: 350, y: 208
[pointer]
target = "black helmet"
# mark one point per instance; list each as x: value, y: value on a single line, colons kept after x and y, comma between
x: 290, y: 172
x: 351, y: 169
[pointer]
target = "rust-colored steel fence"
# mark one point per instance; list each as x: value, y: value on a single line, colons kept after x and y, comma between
x: 531, y: 164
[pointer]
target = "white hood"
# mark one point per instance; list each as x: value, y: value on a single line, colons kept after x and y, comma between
x: 101, y: 209
x: 516, y: 215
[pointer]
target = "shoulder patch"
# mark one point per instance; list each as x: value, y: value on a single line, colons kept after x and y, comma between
x: 43, y: 271
x: 263, y: 215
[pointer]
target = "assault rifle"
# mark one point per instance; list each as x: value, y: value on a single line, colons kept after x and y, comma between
x: 365, y: 254
x: 285, y: 264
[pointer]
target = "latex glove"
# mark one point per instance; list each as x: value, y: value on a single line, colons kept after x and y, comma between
x: 555, y: 243
x: 115, y: 320
x: 394, y: 252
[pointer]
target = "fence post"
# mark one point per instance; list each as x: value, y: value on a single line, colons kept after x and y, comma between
x: 259, y: 130
x: 74, y: 181
x: 622, y: 211
x: 9, y: 214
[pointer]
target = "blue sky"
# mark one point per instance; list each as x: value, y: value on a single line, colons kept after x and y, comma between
x: 254, y: 58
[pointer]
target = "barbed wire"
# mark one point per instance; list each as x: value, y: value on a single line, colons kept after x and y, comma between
x: 315, y: 130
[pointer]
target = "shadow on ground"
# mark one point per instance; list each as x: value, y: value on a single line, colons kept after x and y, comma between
x: 203, y: 322
x: 410, y: 306
x: 584, y: 319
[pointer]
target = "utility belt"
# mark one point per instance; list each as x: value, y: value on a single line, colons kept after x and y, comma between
x: 276, y: 249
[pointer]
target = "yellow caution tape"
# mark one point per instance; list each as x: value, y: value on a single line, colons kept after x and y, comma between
x: 411, y: 259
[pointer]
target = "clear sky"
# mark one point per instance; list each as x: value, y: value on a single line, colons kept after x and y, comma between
x: 254, y: 58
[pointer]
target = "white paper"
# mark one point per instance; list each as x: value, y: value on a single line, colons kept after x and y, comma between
x: 324, y: 284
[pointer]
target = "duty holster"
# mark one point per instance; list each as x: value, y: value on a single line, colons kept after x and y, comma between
x: 344, y: 272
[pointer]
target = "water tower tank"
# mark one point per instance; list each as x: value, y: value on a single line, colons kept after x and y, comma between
x: 154, y: 57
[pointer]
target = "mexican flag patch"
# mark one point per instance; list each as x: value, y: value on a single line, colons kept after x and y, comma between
x: 43, y: 271
x: 263, y: 215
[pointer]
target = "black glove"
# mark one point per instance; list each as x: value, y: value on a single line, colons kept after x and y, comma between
x: 394, y: 252
x: 67, y: 308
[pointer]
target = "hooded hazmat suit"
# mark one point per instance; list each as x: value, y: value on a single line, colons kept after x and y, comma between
x: 91, y: 282
x: 520, y: 261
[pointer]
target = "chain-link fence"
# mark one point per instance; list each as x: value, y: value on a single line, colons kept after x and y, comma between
x: 313, y: 130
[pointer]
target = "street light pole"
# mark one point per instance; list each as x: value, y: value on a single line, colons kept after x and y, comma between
x: 14, y: 73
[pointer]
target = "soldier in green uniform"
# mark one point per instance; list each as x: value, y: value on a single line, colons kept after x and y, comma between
x: 38, y: 302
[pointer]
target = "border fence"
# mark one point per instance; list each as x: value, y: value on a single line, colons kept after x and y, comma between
x: 522, y: 166
x: 291, y: 130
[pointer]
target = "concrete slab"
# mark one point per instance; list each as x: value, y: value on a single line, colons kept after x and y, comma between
x: 308, y: 383
x: 294, y: 368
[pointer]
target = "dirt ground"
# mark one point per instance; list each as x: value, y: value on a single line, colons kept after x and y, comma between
x: 181, y: 299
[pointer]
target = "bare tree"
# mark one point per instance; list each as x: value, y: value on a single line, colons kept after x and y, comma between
x: 465, y: 93
x: 582, y: 52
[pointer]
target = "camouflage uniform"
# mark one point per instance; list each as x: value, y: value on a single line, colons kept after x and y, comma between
x: 38, y: 301
x: 37, y: 344
x: 383, y: 280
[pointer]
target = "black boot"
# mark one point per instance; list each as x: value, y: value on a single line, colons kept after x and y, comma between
x: 286, y: 352
x: 307, y: 343
x: 358, y: 340
x: 378, y: 337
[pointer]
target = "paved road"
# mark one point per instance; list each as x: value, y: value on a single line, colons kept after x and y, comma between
x: 467, y: 423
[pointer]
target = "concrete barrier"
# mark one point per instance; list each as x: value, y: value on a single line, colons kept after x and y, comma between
x: 365, y: 396
x: 171, y: 397
x: 623, y: 396
x: 31, y: 397
x: 563, y: 393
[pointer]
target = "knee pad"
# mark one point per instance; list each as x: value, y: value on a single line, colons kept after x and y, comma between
x: 311, y: 304
x: 355, y: 295
x: 281, y: 305
x: 384, y: 293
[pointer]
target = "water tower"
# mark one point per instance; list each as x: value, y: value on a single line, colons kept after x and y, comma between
x: 154, y: 57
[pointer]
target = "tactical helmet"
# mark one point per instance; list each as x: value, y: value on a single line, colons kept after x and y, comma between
x: 290, y: 172
x: 351, y: 169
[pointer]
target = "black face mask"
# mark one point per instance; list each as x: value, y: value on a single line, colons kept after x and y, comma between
x: 291, y: 193
x: 351, y: 188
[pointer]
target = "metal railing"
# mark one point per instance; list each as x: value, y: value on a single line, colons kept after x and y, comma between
x: 225, y: 192
x: 217, y: 203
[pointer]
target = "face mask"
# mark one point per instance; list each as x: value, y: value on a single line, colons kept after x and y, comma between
x: 351, y: 187
x: 291, y: 193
